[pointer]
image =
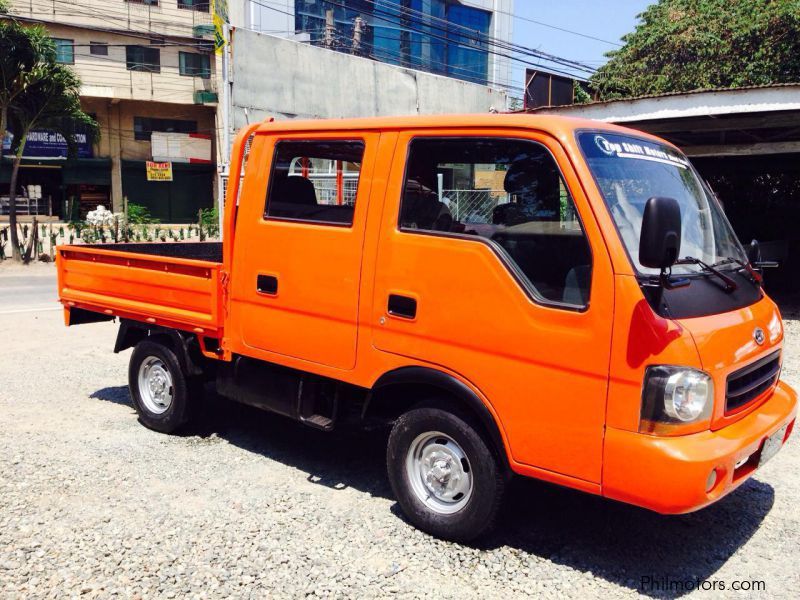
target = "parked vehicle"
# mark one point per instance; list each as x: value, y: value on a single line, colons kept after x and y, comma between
x: 599, y: 326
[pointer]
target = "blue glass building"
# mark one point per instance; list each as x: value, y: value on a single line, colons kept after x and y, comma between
x: 439, y: 36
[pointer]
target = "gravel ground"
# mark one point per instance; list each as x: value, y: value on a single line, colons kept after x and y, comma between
x: 249, y: 505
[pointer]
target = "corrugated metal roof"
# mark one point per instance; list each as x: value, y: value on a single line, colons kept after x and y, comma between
x: 701, y: 102
x: 672, y: 94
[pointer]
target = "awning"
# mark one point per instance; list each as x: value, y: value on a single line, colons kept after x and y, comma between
x: 176, y: 166
x: 88, y: 171
x: 6, y: 164
x: 91, y: 171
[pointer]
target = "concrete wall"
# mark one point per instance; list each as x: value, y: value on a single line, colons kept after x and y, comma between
x: 286, y: 79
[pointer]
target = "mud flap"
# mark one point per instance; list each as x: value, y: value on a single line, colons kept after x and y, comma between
x: 79, y: 316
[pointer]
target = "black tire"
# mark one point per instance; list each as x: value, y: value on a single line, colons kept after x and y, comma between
x: 477, y: 516
x: 184, y: 391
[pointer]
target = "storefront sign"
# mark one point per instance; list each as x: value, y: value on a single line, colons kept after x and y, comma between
x: 181, y: 147
x: 158, y: 171
x: 219, y: 10
x: 47, y: 144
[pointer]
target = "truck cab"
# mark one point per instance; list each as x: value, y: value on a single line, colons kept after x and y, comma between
x: 511, y: 294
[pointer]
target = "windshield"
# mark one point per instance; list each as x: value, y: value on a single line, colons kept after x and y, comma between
x: 630, y: 170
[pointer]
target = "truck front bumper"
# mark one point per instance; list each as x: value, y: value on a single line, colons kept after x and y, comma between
x: 674, y: 474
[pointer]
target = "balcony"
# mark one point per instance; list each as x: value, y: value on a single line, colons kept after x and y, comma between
x: 205, y: 97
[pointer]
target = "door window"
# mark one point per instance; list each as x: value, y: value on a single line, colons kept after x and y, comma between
x: 510, y: 194
x: 315, y: 181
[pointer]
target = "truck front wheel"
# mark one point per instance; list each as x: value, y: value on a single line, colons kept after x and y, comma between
x: 444, y: 475
x: 161, y: 392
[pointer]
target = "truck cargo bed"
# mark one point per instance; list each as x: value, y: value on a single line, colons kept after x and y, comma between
x: 165, y: 283
x: 209, y: 251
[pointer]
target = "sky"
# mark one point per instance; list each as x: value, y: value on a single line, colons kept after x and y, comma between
x: 605, y: 19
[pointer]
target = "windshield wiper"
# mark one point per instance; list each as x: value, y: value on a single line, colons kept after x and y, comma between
x: 730, y: 284
x: 755, y: 276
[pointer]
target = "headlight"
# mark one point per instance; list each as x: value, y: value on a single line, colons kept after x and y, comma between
x: 673, y: 396
x: 686, y: 395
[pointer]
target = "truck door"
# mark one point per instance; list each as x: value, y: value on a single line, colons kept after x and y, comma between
x: 298, y: 258
x: 491, y: 265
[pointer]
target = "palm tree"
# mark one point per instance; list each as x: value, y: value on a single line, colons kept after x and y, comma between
x: 48, y: 98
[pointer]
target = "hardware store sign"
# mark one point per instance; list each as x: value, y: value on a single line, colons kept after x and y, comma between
x: 159, y: 171
x: 49, y: 144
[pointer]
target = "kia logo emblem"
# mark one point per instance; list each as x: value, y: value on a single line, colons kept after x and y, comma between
x: 758, y: 335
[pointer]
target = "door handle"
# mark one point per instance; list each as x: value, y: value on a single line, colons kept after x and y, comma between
x: 402, y: 306
x: 267, y: 284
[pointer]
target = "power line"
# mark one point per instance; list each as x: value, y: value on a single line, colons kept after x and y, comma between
x: 392, y: 19
x: 95, y: 69
x: 381, y: 15
x: 113, y: 16
x: 399, y: 59
x: 139, y: 11
x: 387, y: 55
x: 156, y: 45
x: 152, y: 37
x: 478, y: 36
x: 548, y: 25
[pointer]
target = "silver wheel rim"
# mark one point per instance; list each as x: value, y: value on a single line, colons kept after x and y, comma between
x: 439, y: 472
x: 155, y: 385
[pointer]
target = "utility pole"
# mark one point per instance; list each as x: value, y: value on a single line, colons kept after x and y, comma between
x: 226, y: 125
x: 222, y: 47
x: 358, y: 30
x: 330, y: 28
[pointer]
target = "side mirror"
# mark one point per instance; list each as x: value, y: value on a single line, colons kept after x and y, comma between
x: 660, y: 239
x: 754, y: 256
x: 754, y: 252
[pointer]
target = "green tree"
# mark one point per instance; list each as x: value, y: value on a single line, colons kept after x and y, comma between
x: 22, y: 51
x: 50, y: 100
x: 683, y: 45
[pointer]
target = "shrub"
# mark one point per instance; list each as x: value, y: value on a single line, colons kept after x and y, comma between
x: 140, y: 215
x: 209, y: 221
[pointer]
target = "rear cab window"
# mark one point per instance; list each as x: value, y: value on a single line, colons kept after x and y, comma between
x: 508, y: 193
x: 314, y: 181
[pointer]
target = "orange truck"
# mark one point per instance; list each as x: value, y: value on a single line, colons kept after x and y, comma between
x: 512, y: 294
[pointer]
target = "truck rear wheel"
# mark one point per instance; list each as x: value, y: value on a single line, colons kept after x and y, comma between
x: 444, y: 475
x: 161, y: 392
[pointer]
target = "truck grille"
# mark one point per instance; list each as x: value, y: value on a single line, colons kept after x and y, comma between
x: 748, y: 383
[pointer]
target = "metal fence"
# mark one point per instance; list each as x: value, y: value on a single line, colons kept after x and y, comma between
x: 474, y: 206
x: 28, y: 206
x: 325, y: 185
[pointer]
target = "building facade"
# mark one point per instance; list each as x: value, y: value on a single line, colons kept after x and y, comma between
x: 146, y: 66
x: 446, y: 37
